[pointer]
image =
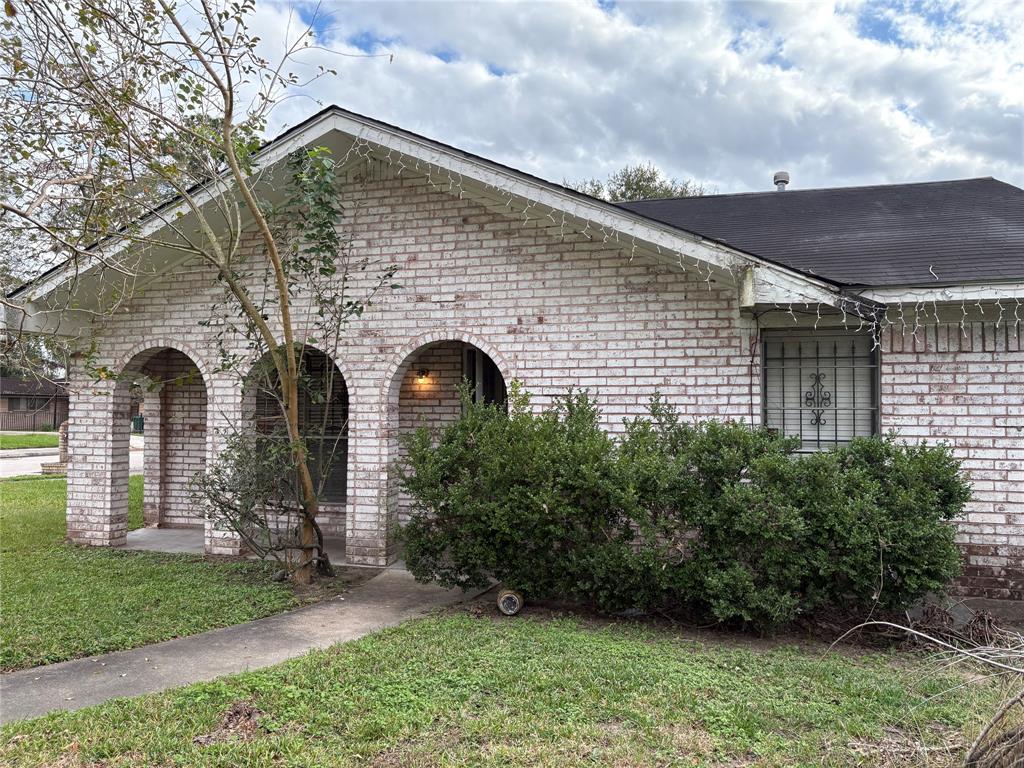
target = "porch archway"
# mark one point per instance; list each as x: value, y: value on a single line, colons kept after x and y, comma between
x: 423, y: 389
x: 323, y: 416
x: 170, y: 390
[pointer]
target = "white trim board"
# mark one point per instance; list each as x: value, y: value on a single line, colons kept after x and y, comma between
x: 945, y: 294
x: 771, y: 282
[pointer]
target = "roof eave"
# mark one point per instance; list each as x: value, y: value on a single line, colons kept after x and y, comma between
x: 517, y: 184
x: 988, y: 291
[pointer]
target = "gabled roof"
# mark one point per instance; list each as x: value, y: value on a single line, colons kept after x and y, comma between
x: 494, y: 182
x: 807, y: 246
x: 929, y: 234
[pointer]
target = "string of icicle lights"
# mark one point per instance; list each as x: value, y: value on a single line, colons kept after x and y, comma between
x: 855, y: 313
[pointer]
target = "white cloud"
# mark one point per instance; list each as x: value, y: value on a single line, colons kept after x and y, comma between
x: 845, y: 93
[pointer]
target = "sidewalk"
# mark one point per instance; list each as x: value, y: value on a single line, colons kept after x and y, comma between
x: 29, y: 461
x: 19, y: 453
x: 385, y: 600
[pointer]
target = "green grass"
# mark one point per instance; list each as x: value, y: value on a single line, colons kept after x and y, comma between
x: 60, y: 602
x: 459, y: 690
x: 10, y: 442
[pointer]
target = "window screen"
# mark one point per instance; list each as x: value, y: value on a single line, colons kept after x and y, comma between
x: 323, y: 419
x: 483, y: 376
x: 820, y: 387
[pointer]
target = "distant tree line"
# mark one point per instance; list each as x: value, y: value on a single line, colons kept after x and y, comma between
x: 643, y: 181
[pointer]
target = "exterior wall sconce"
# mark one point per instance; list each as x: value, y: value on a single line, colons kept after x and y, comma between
x: 422, y: 376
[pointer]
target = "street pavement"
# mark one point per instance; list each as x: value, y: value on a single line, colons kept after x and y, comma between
x: 30, y: 461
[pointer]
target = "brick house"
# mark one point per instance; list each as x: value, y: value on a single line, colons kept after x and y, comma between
x: 32, y: 404
x: 821, y: 313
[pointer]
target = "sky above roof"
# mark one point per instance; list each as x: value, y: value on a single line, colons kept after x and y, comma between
x: 724, y: 93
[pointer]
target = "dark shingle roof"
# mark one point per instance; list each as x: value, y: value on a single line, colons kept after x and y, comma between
x: 964, y: 231
x: 33, y: 387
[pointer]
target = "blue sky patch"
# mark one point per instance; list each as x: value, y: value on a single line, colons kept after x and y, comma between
x: 875, y: 21
x: 875, y: 24
x: 320, y: 22
x: 937, y: 14
x: 776, y: 59
x: 368, y: 41
x: 447, y: 55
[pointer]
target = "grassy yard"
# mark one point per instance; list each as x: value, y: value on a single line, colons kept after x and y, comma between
x: 60, y: 602
x: 10, y: 442
x: 459, y: 690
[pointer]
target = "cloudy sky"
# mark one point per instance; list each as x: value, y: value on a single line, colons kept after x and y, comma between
x: 724, y: 93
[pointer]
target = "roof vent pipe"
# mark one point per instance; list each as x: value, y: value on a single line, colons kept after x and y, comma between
x: 780, y: 180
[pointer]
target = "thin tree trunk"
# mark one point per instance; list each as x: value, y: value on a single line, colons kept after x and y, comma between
x: 307, y: 491
x: 310, y: 508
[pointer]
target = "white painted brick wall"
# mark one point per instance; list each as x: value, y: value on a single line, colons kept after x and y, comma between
x: 966, y: 386
x: 553, y: 314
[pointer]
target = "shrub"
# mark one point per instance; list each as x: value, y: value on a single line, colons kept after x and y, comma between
x: 518, y: 497
x: 893, y: 544
x: 722, y: 542
x: 714, y: 519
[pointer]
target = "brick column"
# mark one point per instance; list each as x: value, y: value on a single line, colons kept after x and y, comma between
x: 224, y: 412
x: 368, y: 535
x: 98, y: 431
x: 153, y: 457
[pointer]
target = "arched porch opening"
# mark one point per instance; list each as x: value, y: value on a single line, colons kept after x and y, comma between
x: 424, y: 391
x: 161, y: 392
x: 323, y: 421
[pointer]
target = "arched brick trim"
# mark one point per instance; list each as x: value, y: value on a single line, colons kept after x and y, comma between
x: 98, y: 479
x: 392, y: 381
x: 160, y: 343
x: 382, y: 496
x: 172, y: 415
x: 339, y: 363
x: 333, y: 514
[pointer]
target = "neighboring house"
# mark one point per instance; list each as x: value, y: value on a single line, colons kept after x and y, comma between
x: 822, y: 313
x: 32, y: 404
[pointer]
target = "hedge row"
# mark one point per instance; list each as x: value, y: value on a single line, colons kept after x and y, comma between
x: 714, y: 519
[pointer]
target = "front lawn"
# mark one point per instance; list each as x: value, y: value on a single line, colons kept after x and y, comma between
x: 459, y: 690
x: 60, y: 602
x: 11, y: 442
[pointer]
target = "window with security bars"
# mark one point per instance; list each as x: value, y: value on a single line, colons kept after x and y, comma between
x: 821, y: 387
x: 323, y: 419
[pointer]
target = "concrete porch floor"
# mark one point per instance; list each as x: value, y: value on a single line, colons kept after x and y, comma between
x: 189, y: 541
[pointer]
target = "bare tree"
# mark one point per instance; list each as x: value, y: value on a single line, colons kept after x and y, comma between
x: 130, y: 127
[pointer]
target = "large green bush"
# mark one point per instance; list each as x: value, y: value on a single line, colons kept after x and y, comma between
x: 897, y: 544
x: 713, y: 519
x: 517, y: 496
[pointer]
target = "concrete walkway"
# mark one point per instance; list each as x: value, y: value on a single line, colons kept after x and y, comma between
x: 179, y: 541
x: 192, y: 541
x: 385, y: 600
